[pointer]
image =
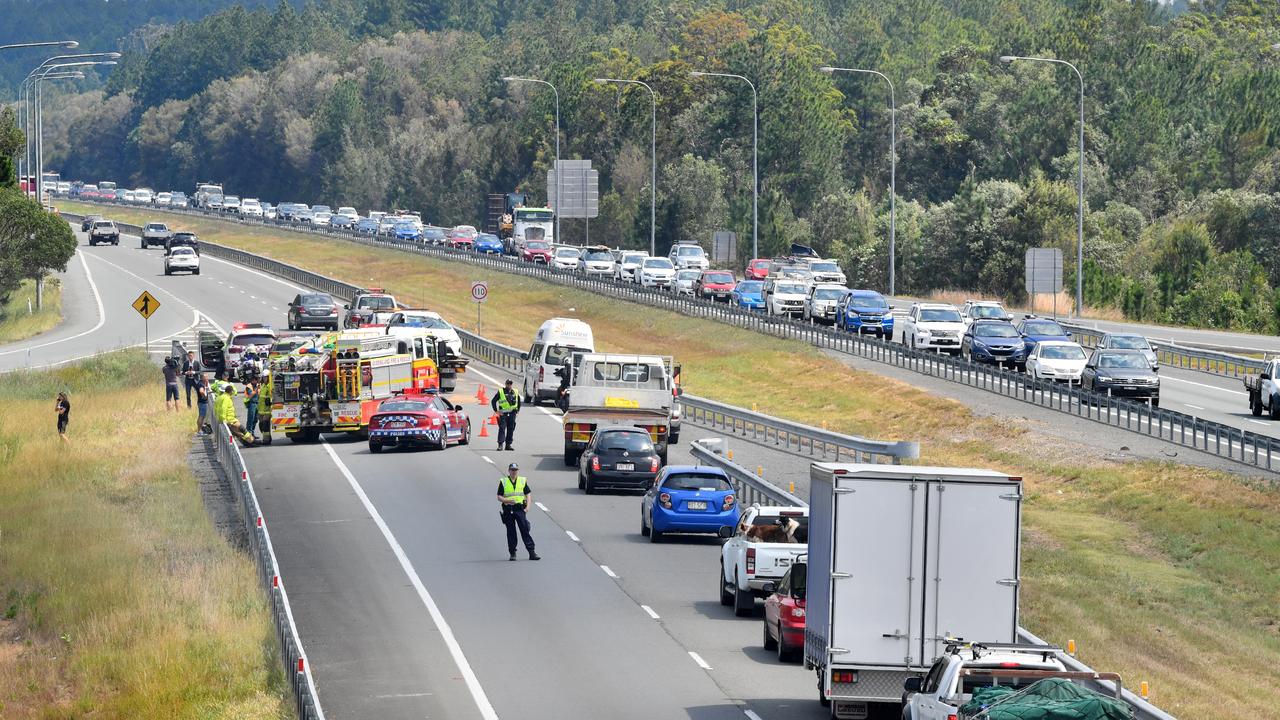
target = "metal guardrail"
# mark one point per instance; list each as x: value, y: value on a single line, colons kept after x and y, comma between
x: 1223, y: 441
x: 297, y: 669
x: 752, y: 489
x: 1180, y: 356
x: 730, y: 420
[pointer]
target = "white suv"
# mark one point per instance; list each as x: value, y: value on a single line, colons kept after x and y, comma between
x: 251, y: 207
x: 941, y: 692
x: 628, y: 266
x: 656, y: 272
x: 596, y: 261
x: 933, y: 326
x: 983, y: 310
x: 783, y: 296
x: 687, y: 256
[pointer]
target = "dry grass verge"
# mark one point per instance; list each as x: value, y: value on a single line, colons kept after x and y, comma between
x: 1162, y: 572
x: 119, y: 598
x: 17, y: 323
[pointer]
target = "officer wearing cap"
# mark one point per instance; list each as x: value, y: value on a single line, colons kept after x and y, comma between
x: 514, y: 493
x: 506, y: 402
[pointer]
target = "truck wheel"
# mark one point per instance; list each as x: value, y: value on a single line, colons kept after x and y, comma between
x: 744, y: 603
x: 726, y: 597
x: 823, y: 700
x: 570, y: 457
x: 1255, y: 405
x: 769, y: 643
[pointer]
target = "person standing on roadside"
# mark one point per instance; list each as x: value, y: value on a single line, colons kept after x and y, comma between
x: 202, y: 404
x: 170, y: 371
x: 63, y: 406
x: 506, y: 403
x: 193, y: 371
x: 514, y: 494
x: 251, y: 404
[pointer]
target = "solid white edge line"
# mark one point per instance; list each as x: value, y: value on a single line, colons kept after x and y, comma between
x: 542, y: 507
x: 698, y: 659
x: 102, y: 315
x: 609, y: 572
x: 572, y: 536
x: 751, y: 714
x: 446, y: 632
x: 650, y: 612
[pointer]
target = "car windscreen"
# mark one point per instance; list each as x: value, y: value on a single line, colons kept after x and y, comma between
x: 828, y: 293
x: 939, y: 316
x: 565, y: 252
x: 375, y: 303
x: 1123, y: 360
x: 103, y: 225
x: 869, y: 300
x: 1000, y: 330
x: 403, y: 406
x: 692, y: 481
x: 1129, y: 342
x: 688, y: 275
x: 182, y: 251
x: 629, y: 441
x: 689, y: 251
x: 156, y: 226
x: 1043, y: 327
x: 433, y: 233
x: 245, y: 340
x: 658, y: 264
x: 557, y: 354
x: 750, y: 287
x: 717, y: 278
x: 987, y: 311
x: 788, y: 289
x: 824, y: 267
x: 427, y: 321
x: 632, y: 259
x: 600, y: 256
x: 1061, y: 352
x: 535, y: 215
x: 534, y: 245
x: 624, y: 372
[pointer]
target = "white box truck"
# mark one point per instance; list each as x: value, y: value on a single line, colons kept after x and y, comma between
x: 900, y: 559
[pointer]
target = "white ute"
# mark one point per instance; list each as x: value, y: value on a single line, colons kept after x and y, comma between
x: 767, y: 540
x: 933, y: 326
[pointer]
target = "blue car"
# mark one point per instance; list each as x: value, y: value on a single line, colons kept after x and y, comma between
x: 748, y: 294
x: 407, y: 231
x: 688, y: 499
x: 866, y: 311
x: 995, y: 342
x: 368, y: 226
x: 486, y: 243
x: 1036, y: 330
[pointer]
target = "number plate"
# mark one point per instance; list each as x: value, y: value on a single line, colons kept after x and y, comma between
x: 696, y: 505
x: 625, y: 466
x: 851, y: 710
x: 397, y: 425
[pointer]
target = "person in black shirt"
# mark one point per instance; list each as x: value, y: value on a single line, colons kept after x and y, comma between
x: 170, y: 371
x: 63, y: 406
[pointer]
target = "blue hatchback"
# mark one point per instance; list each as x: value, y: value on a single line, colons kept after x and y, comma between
x: 486, y: 243
x: 407, y: 231
x: 748, y: 294
x: 1036, y: 330
x: 688, y: 499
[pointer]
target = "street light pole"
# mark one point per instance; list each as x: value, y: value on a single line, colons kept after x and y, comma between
x: 559, y: 196
x: 30, y: 91
x: 1080, y: 179
x: 653, y: 161
x: 69, y: 44
x: 755, y: 157
x: 893, y: 168
x: 35, y: 77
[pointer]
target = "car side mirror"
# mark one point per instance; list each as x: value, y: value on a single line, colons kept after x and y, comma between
x: 726, y: 531
x: 346, y: 307
x: 1068, y: 334
x: 524, y: 356
x: 912, y: 685
x: 768, y: 588
x: 457, y: 408
x: 1264, y: 376
x: 1089, y: 366
x: 1155, y: 348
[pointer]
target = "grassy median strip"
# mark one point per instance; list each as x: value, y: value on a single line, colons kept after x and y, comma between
x: 1160, y: 571
x: 118, y: 598
x: 19, y: 318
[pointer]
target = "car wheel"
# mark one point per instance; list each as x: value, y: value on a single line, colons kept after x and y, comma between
x: 644, y: 526
x: 196, y: 271
x: 1155, y: 402
x: 444, y: 442
x: 582, y: 484
x: 674, y: 438
x: 726, y: 597
x: 1255, y: 405
x: 143, y: 245
x: 744, y: 603
x: 466, y: 434
x: 166, y: 271
x: 769, y: 643
x: 589, y: 487
x: 785, y: 652
x: 528, y: 399
x: 375, y: 448
x: 655, y: 535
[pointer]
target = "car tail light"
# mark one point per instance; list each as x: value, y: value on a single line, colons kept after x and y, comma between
x: 653, y: 464
x: 751, y: 561
x: 541, y: 373
x: 728, y: 503
x: 847, y: 676
x: 595, y: 462
x: 797, y: 612
x: 665, y: 500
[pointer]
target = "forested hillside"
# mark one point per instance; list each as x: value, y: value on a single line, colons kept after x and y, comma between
x: 401, y: 103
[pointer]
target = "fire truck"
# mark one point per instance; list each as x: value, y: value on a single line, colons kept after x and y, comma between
x: 337, y: 387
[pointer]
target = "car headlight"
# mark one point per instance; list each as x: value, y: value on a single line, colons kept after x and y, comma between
x: 1102, y: 379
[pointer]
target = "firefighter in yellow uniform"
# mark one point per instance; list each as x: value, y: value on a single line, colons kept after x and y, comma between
x: 514, y: 494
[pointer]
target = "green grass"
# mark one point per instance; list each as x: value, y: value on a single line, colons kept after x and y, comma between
x: 1162, y: 572
x: 118, y: 598
x: 16, y: 323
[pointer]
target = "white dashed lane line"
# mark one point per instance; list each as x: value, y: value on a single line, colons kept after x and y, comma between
x: 609, y: 572
x: 698, y: 659
x: 572, y: 536
x: 542, y: 507
x: 649, y: 611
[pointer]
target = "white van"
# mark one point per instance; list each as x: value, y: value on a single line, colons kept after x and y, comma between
x: 555, y: 342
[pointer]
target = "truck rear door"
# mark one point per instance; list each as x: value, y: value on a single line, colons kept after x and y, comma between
x: 971, y: 565
x: 877, y: 572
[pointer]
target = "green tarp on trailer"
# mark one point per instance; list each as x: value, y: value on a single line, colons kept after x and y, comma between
x: 1048, y: 699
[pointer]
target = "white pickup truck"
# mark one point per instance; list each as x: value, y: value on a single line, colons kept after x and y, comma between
x: 1264, y: 390
x: 759, y: 551
x: 608, y: 390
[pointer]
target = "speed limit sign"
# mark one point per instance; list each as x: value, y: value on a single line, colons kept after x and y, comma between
x: 479, y: 291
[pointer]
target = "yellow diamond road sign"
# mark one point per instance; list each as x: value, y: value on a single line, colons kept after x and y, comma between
x: 146, y: 304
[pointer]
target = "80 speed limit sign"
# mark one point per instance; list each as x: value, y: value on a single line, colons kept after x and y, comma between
x: 479, y: 291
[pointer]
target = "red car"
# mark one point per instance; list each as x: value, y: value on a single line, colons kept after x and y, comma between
x: 462, y: 237
x: 757, y: 269
x: 714, y: 284
x: 536, y: 251
x: 418, y: 419
x: 784, y: 614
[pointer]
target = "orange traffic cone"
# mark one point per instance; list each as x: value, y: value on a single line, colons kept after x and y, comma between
x: 484, y: 430
x: 480, y: 397
x: 493, y: 419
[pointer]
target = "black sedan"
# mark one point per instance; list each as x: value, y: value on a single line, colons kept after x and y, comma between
x: 622, y: 458
x: 312, y: 309
x: 1122, y: 373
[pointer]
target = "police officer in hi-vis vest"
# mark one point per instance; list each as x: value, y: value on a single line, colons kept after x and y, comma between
x: 506, y: 402
x: 514, y: 493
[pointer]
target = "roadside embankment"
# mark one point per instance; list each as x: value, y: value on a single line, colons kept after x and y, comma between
x: 19, y: 318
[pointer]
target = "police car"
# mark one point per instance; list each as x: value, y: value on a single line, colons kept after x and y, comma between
x: 425, y: 420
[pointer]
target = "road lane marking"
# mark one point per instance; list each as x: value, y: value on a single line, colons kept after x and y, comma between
x: 102, y: 315
x: 751, y: 714
x: 486, y: 459
x: 446, y: 632
x: 1197, y: 407
x: 1259, y: 422
x: 650, y: 611
x: 698, y: 659
x: 609, y: 572
x: 548, y: 413
x: 572, y: 536
x: 542, y: 507
x: 1203, y: 385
